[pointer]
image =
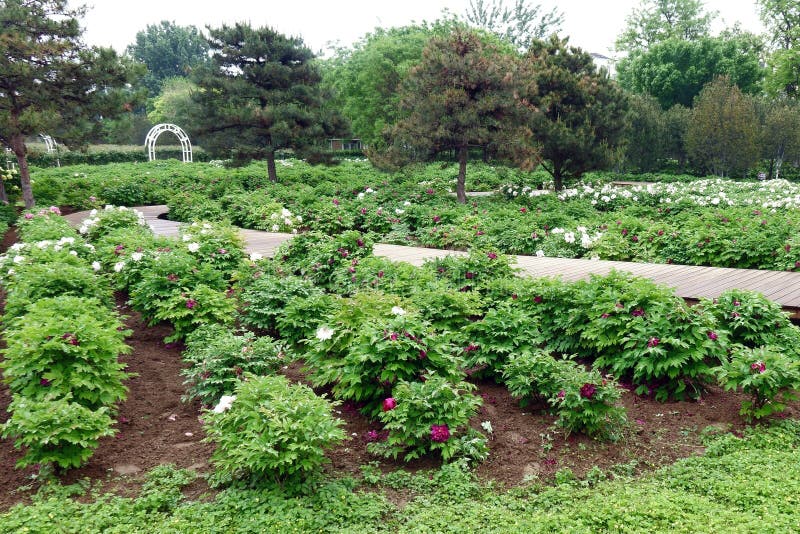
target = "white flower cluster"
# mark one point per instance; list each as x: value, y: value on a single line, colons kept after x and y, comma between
x: 525, y: 191
x: 365, y: 192
x: 284, y: 220
x: 96, y: 216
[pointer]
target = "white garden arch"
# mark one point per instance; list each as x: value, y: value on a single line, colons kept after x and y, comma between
x: 49, y: 143
x: 158, y: 129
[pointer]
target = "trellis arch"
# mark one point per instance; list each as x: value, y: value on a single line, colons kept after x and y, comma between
x: 158, y: 129
x: 49, y: 143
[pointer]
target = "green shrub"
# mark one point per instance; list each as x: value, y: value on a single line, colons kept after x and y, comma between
x: 445, y: 308
x: 55, y: 430
x: 217, y: 244
x: 503, y: 331
x: 584, y: 400
x: 102, y: 222
x: 187, y: 206
x: 33, y: 282
x: 302, y: 316
x: 473, y: 271
x: 273, y: 431
x: 265, y: 299
x: 767, y: 374
x: 427, y: 415
x: 363, y: 358
x: 44, y: 225
x: 753, y: 320
x: 67, y: 345
x: 218, y: 359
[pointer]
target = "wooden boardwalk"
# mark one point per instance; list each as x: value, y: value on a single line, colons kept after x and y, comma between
x: 689, y: 282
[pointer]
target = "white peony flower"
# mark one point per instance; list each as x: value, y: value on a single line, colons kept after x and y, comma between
x: 540, y: 253
x: 397, y: 310
x: 324, y: 333
x: 275, y: 228
x: 118, y: 266
x: 193, y: 247
x: 96, y: 265
x: 255, y: 256
x: 11, y: 271
x: 137, y: 256
x: 225, y: 402
x: 186, y: 238
x: 19, y: 259
x: 399, y: 211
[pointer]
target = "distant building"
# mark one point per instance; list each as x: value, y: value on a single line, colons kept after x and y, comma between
x: 605, y: 62
x: 345, y: 144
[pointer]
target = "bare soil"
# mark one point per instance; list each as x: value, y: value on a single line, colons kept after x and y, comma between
x: 155, y: 428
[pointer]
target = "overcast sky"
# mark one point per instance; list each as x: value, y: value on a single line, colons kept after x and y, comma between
x: 591, y: 24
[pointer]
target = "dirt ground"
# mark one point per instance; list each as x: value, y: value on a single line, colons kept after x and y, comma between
x: 155, y: 428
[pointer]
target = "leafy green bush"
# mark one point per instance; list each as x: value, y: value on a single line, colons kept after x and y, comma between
x: 259, y: 211
x: 364, y: 357
x: 217, y: 244
x: 101, y: 222
x: 125, y: 194
x: 504, y: 330
x: 67, y: 346
x: 55, y: 430
x: 272, y: 431
x: 265, y: 299
x: 753, y: 320
x: 218, y: 359
x: 584, y: 400
x: 768, y: 375
x: 321, y: 258
x: 301, y: 317
x: 35, y: 281
x: 427, y: 415
x: 171, y: 273
x: 43, y: 225
x: 187, y: 206
x: 472, y: 271
x: 445, y: 308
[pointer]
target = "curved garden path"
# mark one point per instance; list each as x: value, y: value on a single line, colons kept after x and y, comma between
x: 690, y: 282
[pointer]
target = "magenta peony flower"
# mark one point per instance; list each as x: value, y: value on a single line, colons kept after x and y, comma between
x: 191, y: 303
x: 469, y: 275
x: 638, y: 312
x: 605, y: 316
x: 44, y: 382
x: 492, y: 256
x: 758, y: 367
x: 712, y: 335
x: 537, y: 299
x: 562, y: 394
x: 588, y: 390
x: 440, y: 433
x: 335, y: 202
x: 389, y: 404
x: 653, y: 342
x: 393, y: 336
x: 423, y: 354
x: 29, y: 216
x: 436, y: 218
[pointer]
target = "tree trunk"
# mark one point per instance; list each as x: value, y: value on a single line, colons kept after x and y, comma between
x: 271, y: 173
x: 779, y: 160
x: 18, y: 146
x: 461, y: 192
x: 558, y: 181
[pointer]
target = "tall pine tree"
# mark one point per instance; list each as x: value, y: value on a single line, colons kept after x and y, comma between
x: 261, y: 93
x: 51, y: 82
x: 461, y: 95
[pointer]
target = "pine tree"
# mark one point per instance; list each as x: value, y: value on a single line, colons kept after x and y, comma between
x: 261, y: 93
x: 461, y: 95
x: 51, y: 82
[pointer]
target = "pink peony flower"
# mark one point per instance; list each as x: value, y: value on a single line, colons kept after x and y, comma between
x: 562, y: 394
x: 436, y: 218
x: 335, y: 202
x: 393, y: 336
x: 758, y: 367
x: 389, y: 404
x: 492, y: 256
x: 588, y: 390
x: 29, y: 216
x: 440, y: 433
x: 605, y: 316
